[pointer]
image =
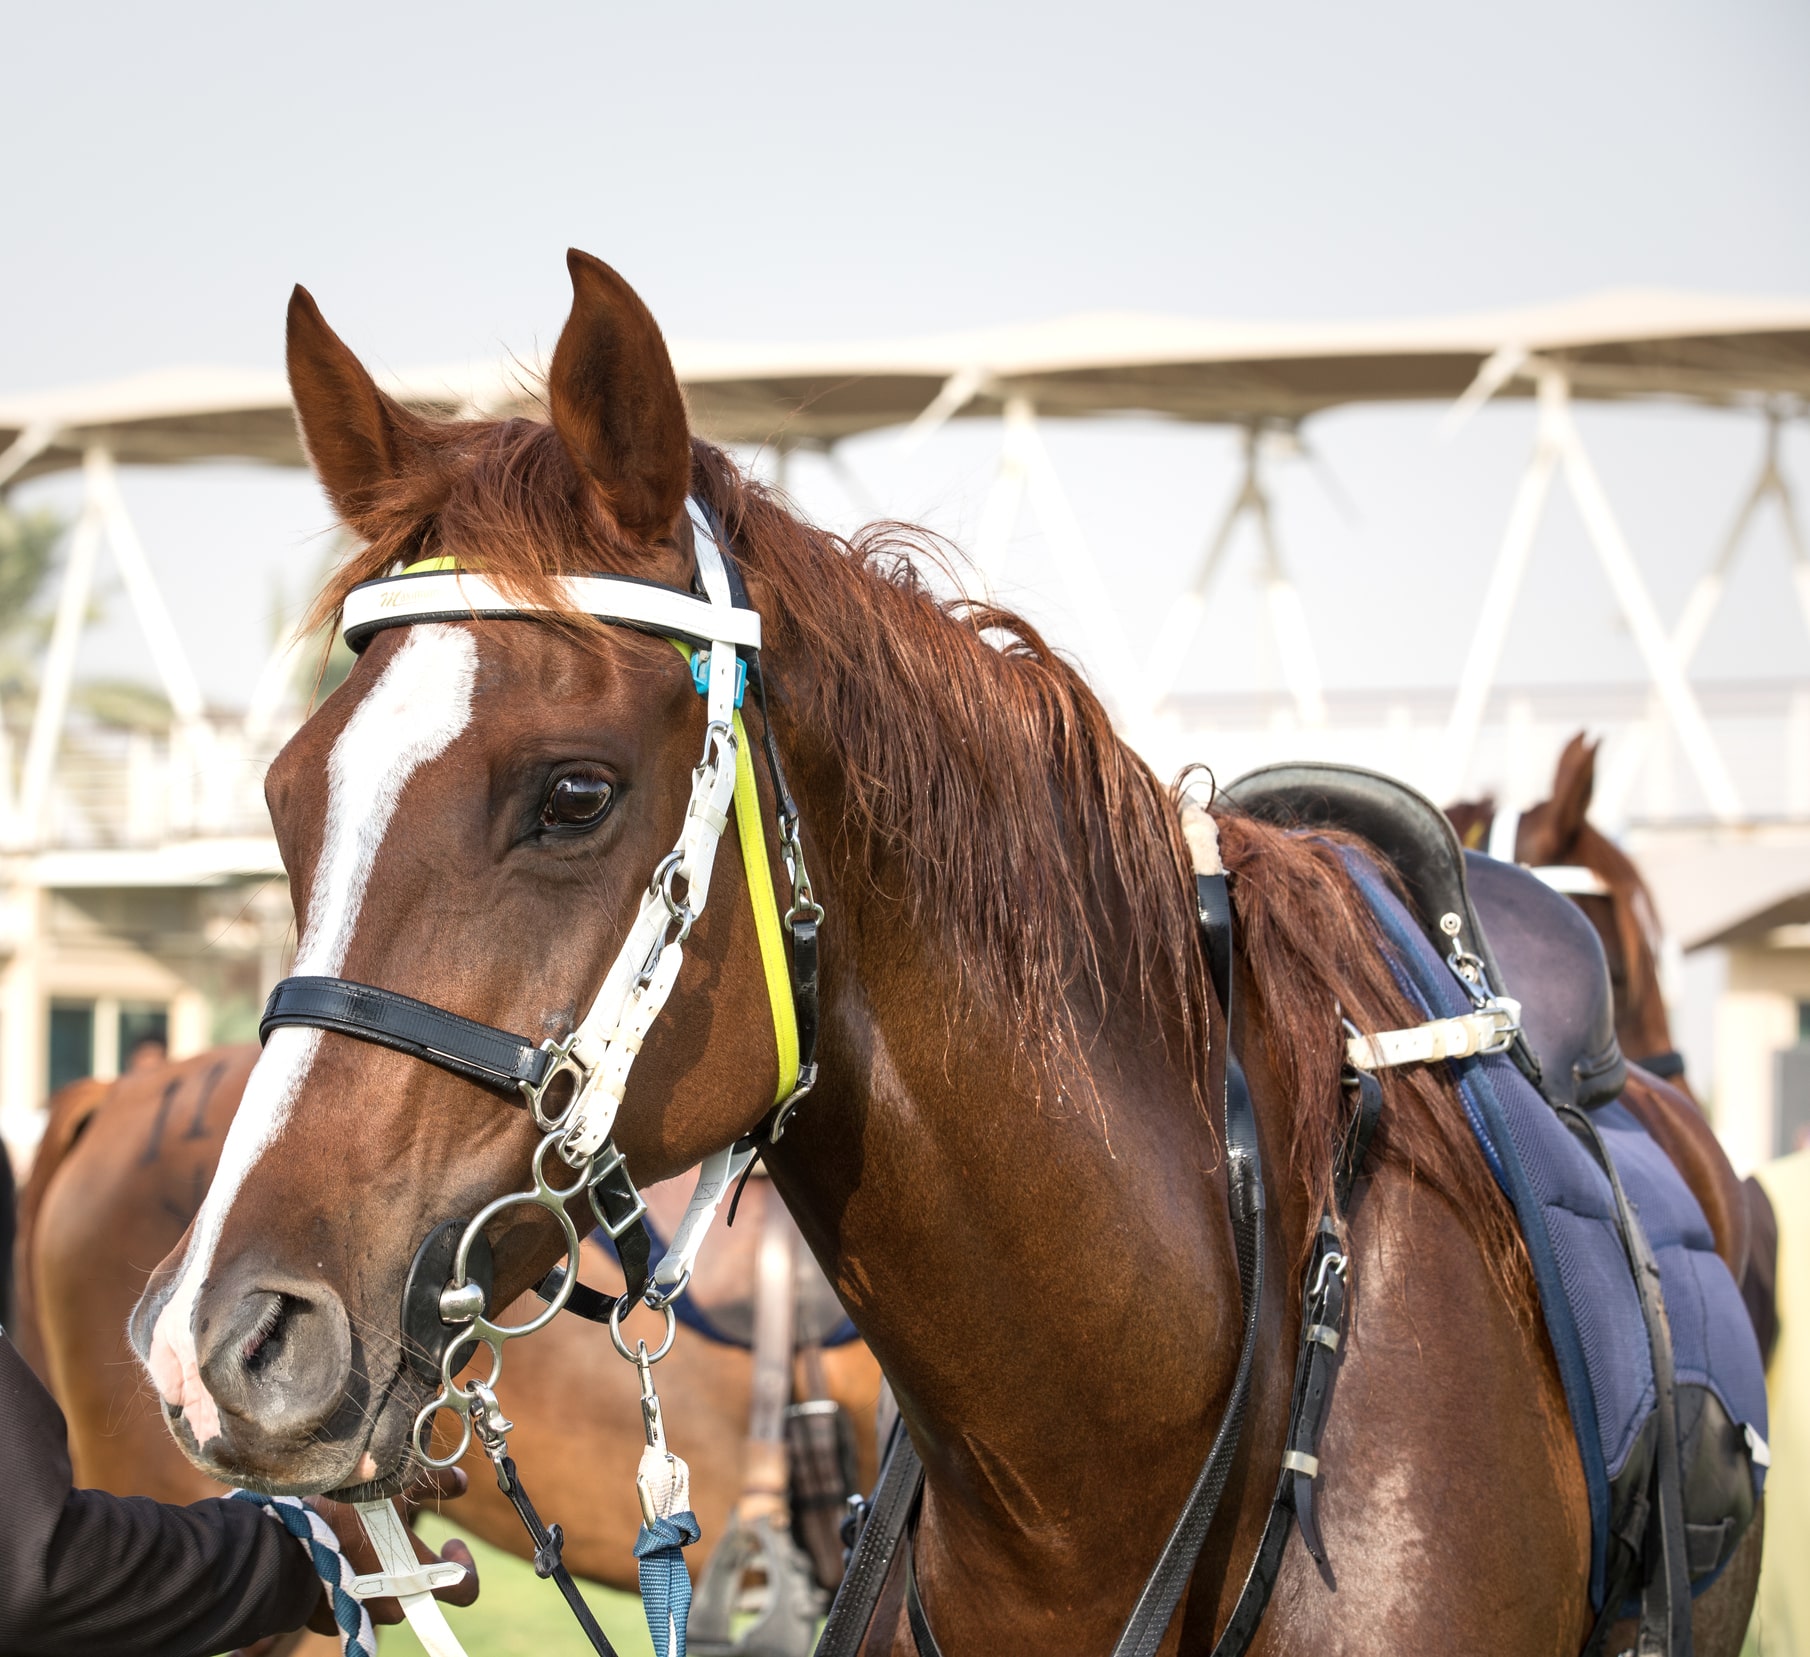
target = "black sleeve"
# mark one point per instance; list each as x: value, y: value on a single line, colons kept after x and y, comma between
x: 83, y: 1573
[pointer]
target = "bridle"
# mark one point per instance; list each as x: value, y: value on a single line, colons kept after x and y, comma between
x: 1574, y: 880
x: 574, y: 1087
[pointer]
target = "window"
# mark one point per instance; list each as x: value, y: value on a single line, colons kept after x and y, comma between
x: 1791, y: 1091
x: 144, y: 1034
x: 71, y: 1042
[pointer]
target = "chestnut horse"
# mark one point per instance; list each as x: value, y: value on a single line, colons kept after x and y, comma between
x: 1008, y: 1167
x: 120, y: 1172
x: 1557, y: 835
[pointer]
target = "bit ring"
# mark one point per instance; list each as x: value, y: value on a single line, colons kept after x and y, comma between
x: 672, y: 1329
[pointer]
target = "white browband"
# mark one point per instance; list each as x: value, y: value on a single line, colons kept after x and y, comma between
x: 462, y: 595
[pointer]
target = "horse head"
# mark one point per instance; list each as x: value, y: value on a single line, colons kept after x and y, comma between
x: 1558, y: 833
x: 470, y: 820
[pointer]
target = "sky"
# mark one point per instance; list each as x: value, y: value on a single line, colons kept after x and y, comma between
x: 797, y: 171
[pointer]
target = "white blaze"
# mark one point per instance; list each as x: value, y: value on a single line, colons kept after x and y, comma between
x: 411, y: 715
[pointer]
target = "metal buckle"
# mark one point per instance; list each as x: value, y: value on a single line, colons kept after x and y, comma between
x: 1507, y: 1013
x: 807, y: 1079
x: 1332, y: 1262
x: 609, y: 1161
x: 562, y: 1064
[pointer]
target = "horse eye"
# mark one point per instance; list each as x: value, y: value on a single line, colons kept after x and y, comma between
x: 579, y: 799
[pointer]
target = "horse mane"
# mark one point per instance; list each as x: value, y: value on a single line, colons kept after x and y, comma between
x: 940, y: 715
x: 1316, y: 956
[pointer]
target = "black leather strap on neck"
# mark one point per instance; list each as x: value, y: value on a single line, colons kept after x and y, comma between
x: 884, y: 1520
x: 476, y: 1051
x: 1323, y: 1301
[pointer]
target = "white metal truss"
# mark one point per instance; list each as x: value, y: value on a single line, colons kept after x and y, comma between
x: 1558, y: 446
x: 1642, y: 744
x: 103, y: 518
x: 1287, y: 615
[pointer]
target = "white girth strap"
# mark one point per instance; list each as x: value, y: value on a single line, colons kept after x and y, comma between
x: 1488, y: 1030
x: 639, y: 982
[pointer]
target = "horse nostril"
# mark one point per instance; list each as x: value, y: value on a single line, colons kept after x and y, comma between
x: 279, y: 1358
x: 256, y: 1349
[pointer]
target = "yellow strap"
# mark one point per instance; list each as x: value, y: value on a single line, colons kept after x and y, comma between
x: 753, y: 833
x: 431, y: 564
x: 766, y: 912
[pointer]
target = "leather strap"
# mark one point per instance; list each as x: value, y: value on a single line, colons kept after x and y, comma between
x: 921, y: 1636
x: 1155, y: 1609
x: 480, y: 1053
x: 593, y: 1305
x: 549, y: 1543
x: 1665, y: 1596
x: 884, y: 1519
x: 1323, y: 1301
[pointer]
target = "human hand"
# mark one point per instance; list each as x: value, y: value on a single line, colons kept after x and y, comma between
x: 442, y: 1484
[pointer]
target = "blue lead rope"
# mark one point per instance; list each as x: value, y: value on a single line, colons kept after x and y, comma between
x: 356, y: 1637
x: 665, y: 1584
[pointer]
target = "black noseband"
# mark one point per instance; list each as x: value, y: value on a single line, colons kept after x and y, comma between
x: 462, y: 1045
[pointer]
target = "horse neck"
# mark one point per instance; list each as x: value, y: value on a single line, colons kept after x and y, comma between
x: 1006, y: 1240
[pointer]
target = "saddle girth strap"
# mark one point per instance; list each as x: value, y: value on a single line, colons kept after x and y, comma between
x: 1155, y: 1608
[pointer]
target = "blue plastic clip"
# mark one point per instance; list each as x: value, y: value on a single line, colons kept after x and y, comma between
x: 700, y: 675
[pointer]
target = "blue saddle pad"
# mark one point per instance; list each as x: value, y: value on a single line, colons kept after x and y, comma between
x: 1567, y: 1214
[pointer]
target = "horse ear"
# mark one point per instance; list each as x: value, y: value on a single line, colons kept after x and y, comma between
x: 616, y: 402
x: 1572, y: 786
x: 357, y: 438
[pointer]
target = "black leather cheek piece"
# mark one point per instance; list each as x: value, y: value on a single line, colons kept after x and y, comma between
x: 425, y: 1334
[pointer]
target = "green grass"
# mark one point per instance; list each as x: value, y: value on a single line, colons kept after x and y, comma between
x: 519, y: 1615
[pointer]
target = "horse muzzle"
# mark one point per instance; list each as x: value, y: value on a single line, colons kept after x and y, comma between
x: 264, y: 1384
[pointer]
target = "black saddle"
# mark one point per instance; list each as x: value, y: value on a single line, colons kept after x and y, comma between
x: 1534, y: 943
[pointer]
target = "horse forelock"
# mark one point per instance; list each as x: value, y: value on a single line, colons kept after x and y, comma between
x: 982, y: 782
x: 419, y: 704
